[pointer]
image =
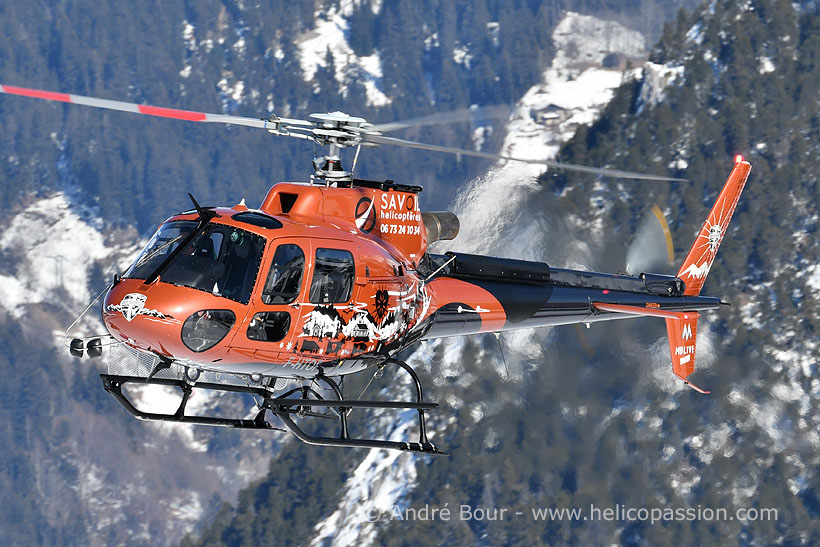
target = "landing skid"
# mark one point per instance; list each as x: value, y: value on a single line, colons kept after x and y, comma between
x: 284, y: 407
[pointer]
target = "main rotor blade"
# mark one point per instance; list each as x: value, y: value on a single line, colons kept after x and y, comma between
x: 162, y: 112
x: 615, y: 173
x: 456, y: 116
x: 343, y: 136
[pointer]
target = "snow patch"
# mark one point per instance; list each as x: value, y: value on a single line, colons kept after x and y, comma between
x: 189, y: 40
x: 188, y: 35
x: 431, y: 42
x: 695, y: 34
x: 231, y: 95
x: 581, y: 39
x: 712, y: 442
x: 494, y: 29
x: 330, y: 35
x: 56, y: 247
x: 240, y: 46
x: 187, y: 509
x: 813, y: 277
x: 461, y: 56
x: 766, y: 65
x: 656, y: 78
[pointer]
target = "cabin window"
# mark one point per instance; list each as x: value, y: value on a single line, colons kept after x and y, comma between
x: 332, y: 276
x: 221, y: 260
x: 269, y: 326
x: 258, y: 219
x: 285, y: 276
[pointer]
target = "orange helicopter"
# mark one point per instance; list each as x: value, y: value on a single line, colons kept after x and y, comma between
x: 333, y: 276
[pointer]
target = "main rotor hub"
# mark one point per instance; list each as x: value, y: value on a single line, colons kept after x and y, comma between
x: 339, y: 129
x: 336, y: 130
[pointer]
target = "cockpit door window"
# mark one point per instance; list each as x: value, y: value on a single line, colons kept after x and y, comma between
x: 332, y: 276
x: 285, y: 275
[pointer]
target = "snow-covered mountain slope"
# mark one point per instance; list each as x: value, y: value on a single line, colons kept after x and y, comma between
x: 506, y: 213
x: 591, y: 61
x: 327, y: 41
x: 56, y: 258
x: 503, y: 213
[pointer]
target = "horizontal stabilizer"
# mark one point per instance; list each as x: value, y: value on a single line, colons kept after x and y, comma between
x: 648, y: 312
x: 681, y: 328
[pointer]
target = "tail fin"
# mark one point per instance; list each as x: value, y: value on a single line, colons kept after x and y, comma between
x: 682, y: 335
x: 696, y: 266
x: 682, y: 332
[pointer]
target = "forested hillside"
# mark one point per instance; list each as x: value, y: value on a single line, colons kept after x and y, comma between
x: 254, y: 60
x: 595, y: 417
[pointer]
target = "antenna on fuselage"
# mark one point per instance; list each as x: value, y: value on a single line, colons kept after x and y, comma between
x: 501, y: 349
x: 203, y: 212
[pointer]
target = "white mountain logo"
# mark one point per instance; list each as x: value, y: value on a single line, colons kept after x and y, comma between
x: 686, y: 334
x: 131, y: 305
x: 697, y: 272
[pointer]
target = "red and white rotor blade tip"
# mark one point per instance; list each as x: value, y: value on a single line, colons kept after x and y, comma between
x: 158, y: 111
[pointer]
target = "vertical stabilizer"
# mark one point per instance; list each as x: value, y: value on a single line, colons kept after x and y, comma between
x: 699, y: 260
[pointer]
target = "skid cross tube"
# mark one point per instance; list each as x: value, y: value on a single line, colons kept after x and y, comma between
x: 419, y: 398
x: 343, y: 434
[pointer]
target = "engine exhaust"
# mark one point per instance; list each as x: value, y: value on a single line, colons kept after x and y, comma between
x: 440, y: 225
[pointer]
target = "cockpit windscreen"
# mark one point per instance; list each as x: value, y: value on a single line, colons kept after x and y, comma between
x: 221, y: 260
